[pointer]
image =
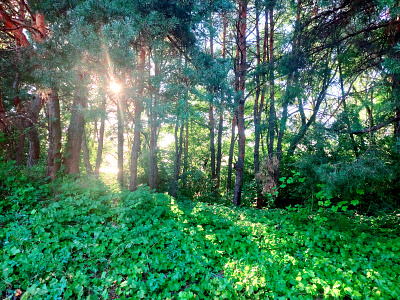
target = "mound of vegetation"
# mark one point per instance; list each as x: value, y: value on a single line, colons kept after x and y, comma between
x: 76, y: 239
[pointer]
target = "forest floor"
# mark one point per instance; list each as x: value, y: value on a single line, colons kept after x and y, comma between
x: 77, y: 239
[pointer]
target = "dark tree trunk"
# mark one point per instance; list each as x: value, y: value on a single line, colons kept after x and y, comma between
x: 259, y: 103
x: 101, y: 138
x: 54, y: 152
x: 221, y: 112
x: 153, y: 154
x: 219, y: 148
x: 178, y: 155
x: 211, y: 113
x: 120, y: 154
x: 138, y: 125
x: 32, y: 134
x: 186, y: 154
x: 86, y: 154
x: 272, y: 113
x: 212, y: 146
x: 241, y: 41
x: 231, y: 149
x: 75, y: 130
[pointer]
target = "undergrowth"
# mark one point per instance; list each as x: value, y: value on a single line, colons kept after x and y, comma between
x: 75, y: 239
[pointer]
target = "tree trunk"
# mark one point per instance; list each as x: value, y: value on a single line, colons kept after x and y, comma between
x: 221, y: 111
x: 54, y: 152
x: 231, y: 149
x: 138, y: 125
x: 178, y: 155
x: 241, y: 41
x: 211, y: 112
x: 259, y: 105
x: 120, y: 154
x: 75, y: 130
x: 32, y: 134
x: 101, y: 138
x: 272, y: 113
x: 86, y: 154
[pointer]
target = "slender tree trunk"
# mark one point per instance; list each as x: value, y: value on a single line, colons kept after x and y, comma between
x: 186, y: 155
x: 101, y: 138
x: 211, y: 113
x: 221, y: 111
x: 54, y: 152
x: 75, y: 130
x: 32, y: 134
x: 120, y: 116
x: 234, y: 122
x: 241, y: 40
x: 231, y: 149
x: 138, y: 125
x: 86, y: 154
x: 272, y: 113
x: 178, y: 155
x: 259, y: 104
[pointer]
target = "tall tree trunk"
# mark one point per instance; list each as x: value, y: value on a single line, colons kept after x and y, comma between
x: 186, y: 155
x: 101, y: 138
x: 138, y: 125
x: 75, y: 129
x: 211, y: 111
x: 120, y: 154
x: 86, y: 154
x: 54, y: 152
x: 234, y: 122
x: 231, y: 149
x: 153, y: 154
x: 241, y: 41
x: 34, y: 108
x: 272, y: 113
x: 178, y: 155
x: 221, y: 111
x: 259, y: 102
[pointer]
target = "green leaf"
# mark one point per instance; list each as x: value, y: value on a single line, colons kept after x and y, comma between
x: 360, y: 191
x: 354, y: 202
x: 282, y: 179
x: 124, y: 283
x: 14, y: 250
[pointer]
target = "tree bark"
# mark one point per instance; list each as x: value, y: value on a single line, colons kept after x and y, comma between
x: 120, y: 154
x: 259, y: 102
x: 34, y: 108
x: 241, y: 41
x: 54, y: 151
x: 86, y: 154
x: 75, y: 129
x: 272, y: 113
x: 101, y: 138
x: 221, y: 112
x: 231, y: 149
x: 138, y: 125
x: 178, y: 155
x: 211, y: 113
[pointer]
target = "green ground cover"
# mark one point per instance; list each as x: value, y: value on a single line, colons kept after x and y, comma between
x: 78, y: 240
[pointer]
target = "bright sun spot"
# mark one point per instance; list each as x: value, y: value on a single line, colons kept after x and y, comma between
x: 115, y: 87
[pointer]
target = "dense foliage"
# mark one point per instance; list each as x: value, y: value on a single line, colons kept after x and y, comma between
x: 76, y: 238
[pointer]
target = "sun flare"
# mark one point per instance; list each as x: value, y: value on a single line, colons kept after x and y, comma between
x: 115, y: 87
